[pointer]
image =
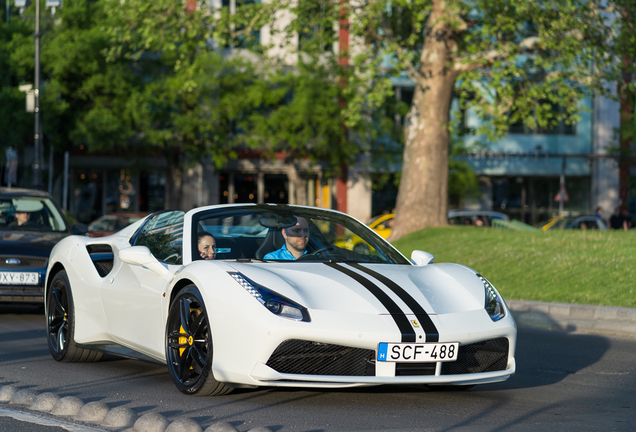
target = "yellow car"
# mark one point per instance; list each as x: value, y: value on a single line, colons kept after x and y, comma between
x: 380, y: 224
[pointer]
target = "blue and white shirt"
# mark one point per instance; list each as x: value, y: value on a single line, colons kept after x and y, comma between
x: 281, y: 254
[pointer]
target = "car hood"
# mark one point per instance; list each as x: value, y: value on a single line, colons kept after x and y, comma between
x: 28, y: 243
x: 438, y: 288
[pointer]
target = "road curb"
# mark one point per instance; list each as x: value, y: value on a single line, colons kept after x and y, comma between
x: 575, y: 318
x: 23, y: 405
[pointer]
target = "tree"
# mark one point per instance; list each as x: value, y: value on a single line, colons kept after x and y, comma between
x: 82, y: 96
x: 301, y: 119
x: 298, y: 114
x: 522, y: 61
x: 623, y: 66
x: 189, y: 97
x: 510, y: 61
x: 16, y: 37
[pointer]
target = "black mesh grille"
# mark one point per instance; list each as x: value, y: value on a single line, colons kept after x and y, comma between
x: 22, y: 294
x: 487, y: 356
x: 102, y: 256
x: 25, y: 262
x: 314, y: 358
x: 103, y: 267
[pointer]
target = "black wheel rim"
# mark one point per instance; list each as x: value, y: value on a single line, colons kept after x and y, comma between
x: 58, y: 318
x: 188, y: 344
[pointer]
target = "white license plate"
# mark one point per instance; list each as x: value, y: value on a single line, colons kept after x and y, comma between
x: 418, y: 352
x: 19, y: 278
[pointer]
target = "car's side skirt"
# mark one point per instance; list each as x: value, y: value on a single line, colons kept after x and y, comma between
x: 120, y: 351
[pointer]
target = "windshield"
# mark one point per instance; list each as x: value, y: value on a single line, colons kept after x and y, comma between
x: 29, y: 213
x: 275, y: 233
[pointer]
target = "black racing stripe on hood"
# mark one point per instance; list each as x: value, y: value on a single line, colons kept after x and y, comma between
x: 432, y: 334
x: 408, y: 334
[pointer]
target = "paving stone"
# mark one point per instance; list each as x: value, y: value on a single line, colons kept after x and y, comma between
x: 6, y: 392
x: 23, y: 397
x: 221, y: 427
x: 151, y: 422
x: 93, y: 412
x: 184, y: 425
x: 120, y: 417
x: 44, y: 402
x: 67, y: 406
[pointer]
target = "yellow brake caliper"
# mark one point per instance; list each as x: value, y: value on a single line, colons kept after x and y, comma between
x: 185, y: 339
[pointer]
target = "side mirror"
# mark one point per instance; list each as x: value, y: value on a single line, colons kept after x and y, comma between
x: 421, y: 258
x: 141, y: 256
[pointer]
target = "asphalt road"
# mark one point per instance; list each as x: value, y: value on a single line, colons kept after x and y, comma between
x: 564, y: 382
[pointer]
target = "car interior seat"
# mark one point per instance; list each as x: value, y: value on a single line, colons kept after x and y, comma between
x: 274, y: 240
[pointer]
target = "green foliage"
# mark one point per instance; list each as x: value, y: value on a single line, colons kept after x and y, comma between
x: 299, y: 113
x: 154, y: 77
x: 16, y: 42
x: 586, y: 267
x: 517, y: 61
x: 79, y: 84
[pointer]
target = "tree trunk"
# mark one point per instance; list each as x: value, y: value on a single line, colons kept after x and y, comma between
x: 423, y: 193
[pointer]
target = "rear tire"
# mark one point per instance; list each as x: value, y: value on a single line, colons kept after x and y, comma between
x: 60, y: 318
x: 189, y: 346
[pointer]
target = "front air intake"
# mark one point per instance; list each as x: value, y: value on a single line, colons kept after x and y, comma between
x: 102, y: 257
x: 301, y: 357
x: 486, y: 356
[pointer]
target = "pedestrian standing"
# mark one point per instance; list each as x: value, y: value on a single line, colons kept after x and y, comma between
x: 616, y: 220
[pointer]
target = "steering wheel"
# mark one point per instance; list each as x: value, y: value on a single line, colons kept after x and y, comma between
x: 322, y: 249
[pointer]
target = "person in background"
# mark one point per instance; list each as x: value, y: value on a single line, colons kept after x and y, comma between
x: 207, y: 246
x: 24, y: 215
x: 615, y: 220
x: 22, y: 218
x: 599, y: 213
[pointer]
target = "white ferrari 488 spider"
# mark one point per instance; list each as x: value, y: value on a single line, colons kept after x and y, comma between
x: 254, y: 316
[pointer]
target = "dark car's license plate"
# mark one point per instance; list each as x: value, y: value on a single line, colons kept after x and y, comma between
x: 18, y: 278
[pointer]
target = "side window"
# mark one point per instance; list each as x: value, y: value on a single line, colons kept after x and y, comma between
x: 163, y: 235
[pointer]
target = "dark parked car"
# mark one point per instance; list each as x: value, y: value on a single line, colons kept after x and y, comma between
x: 30, y: 225
x: 587, y: 222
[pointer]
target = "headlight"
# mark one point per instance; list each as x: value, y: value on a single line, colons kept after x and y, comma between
x: 494, y: 303
x: 273, y: 302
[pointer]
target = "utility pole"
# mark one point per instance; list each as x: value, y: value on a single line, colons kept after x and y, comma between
x: 37, y: 165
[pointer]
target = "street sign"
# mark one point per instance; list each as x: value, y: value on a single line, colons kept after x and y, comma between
x: 562, y: 195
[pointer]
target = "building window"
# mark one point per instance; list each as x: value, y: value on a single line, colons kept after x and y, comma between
x: 312, y: 29
x: 242, y: 40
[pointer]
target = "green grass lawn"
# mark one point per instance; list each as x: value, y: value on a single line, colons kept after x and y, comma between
x: 586, y: 267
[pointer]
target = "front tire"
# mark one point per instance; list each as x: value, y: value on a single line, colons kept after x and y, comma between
x: 189, y: 346
x: 60, y: 318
